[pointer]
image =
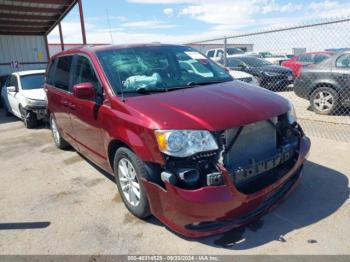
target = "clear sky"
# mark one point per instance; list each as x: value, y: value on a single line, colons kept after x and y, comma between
x: 181, y: 21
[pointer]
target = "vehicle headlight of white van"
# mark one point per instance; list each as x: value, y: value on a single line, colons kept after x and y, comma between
x: 184, y: 143
x: 35, y: 102
x: 291, y: 115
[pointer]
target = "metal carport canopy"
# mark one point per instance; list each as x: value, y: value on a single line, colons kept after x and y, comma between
x: 31, y: 18
x: 35, y: 17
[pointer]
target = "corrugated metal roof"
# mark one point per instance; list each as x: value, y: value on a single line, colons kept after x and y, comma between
x: 32, y: 17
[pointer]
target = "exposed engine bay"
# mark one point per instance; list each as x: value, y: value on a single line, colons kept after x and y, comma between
x: 256, y: 155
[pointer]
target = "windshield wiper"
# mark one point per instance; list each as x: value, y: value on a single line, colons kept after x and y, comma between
x: 144, y: 90
x: 203, y: 83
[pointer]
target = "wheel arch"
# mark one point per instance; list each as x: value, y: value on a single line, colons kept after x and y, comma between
x: 328, y: 84
x: 113, y: 146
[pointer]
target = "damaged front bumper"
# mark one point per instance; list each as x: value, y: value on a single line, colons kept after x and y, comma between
x: 215, y: 209
x: 39, y: 111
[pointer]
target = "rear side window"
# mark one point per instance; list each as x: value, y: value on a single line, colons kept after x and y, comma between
x: 320, y: 58
x: 62, y: 71
x: 85, y: 73
x: 305, y: 58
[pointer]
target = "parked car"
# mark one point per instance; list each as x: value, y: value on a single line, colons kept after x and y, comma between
x: 23, y: 96
x: 192, y: 66
x: 326, y: 85
x: 270, y: 76
x: 218, y: 53
x: 274, y: 58
x: 244, y: 77
x: 296, y: 63
x: 202, y: 153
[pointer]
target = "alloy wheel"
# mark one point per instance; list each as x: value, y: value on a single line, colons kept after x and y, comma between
x: 323, y: 101
x: 55, y: 133
x: 128, y: 181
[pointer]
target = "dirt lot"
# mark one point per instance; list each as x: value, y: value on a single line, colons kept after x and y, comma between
x: 55, y: 202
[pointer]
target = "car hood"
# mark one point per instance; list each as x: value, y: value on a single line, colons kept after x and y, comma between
x: 214, y: 107
x: 37, y: 94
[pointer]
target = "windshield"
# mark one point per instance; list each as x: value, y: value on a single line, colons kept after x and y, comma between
x: 234, y: 51
x: 254, y: 62
x: 158, y: 68
x: 30, y: 82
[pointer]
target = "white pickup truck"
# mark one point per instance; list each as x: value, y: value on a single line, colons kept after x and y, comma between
x: 218, y: 53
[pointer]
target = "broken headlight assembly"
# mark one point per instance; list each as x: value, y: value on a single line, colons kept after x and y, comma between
x: 185, y: 143
x: 291, y: 114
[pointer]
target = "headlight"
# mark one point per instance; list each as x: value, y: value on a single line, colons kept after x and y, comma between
x: 184, y: 143
x: 270, y: 74
x: 34, y: 102
x: 291, y: 115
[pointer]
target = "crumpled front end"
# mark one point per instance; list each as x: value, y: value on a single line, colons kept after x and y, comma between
x: 257, y: 166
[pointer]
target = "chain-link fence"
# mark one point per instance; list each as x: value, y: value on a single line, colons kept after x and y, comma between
x: 309, y: 64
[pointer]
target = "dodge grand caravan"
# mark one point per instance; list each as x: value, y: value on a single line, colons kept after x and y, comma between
x: 201, y: 152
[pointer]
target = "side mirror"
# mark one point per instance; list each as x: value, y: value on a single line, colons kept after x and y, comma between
x: 11, y: 89
x: 85, y: 91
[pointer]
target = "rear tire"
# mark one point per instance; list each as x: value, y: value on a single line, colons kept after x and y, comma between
x: 128, y: 171
x: 56, y: 135
x: 325, y: 101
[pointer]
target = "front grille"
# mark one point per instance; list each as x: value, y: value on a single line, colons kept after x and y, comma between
x: 259, y: 154
x: 256, y: 141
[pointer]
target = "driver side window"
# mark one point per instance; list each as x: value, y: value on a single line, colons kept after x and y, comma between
x: 13, y: 82
x: 85, y: 73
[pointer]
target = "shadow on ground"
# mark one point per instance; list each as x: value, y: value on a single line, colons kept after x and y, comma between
x: 321, y: 192
x: 11, y: 119
x: 28, y: 225
x: 7, y: 119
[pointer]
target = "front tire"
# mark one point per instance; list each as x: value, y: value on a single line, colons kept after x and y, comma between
x: 29, y: 118
x: 324, y: 101
x: 56, y: 135
x: 128, y: 171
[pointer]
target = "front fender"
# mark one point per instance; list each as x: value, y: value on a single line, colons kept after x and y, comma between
x: 141, y: 141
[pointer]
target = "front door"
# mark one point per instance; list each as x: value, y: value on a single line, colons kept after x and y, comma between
x: 85, y: 114
x: 12, y: 95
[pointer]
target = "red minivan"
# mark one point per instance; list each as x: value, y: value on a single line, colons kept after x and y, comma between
x: 202, y: 152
